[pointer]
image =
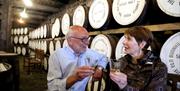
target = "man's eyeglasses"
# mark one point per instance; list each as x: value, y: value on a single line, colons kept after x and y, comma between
x: 85, y: 39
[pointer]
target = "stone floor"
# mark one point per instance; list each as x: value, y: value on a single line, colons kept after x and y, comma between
x: 35, y: 81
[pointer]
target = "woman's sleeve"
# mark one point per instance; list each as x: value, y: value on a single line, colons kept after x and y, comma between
x: 159, y: 77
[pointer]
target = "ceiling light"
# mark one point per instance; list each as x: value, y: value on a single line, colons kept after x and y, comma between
x: 28, y: 3
x: 23, y: 14
x: 21, y: 21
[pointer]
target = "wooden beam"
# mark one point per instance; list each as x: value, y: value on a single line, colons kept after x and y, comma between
x: 35, y: 6
x: 153, y: 28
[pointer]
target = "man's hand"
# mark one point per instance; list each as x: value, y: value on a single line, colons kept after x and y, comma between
x: 83, y: 72
x: 80, y: 73
x: 98, y: 73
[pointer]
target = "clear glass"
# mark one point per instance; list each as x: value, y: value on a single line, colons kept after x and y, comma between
x: 114, y: 65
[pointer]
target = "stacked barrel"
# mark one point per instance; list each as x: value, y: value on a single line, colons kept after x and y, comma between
x: 99, y: 16
x: 20, y: 39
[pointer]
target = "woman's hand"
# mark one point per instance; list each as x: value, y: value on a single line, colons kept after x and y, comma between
x: 119, y: 78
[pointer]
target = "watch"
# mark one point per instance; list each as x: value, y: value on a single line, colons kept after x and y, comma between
x: 99, y: 67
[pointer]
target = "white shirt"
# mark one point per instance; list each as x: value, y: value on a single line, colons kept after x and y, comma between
x: 62, y: 64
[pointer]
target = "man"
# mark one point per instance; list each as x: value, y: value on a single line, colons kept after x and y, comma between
x: 70, y: 67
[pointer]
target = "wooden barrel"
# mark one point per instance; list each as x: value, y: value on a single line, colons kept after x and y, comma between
x: 51, y: 47
x: 18, y: 31
x: 126, y: 12
x: 170, y: 54
x: 45, y: 46
x: 101, y: 85
x: 18, y: 50
x: 31, y: 43
x: 41, y: 32
x: 20, y: 39
x: 99, y: 13
x: 15, y: 31
x: 55, y: 29
x: 80, y: 16
x: 25, y: 51
x: 171, y: 7
x: 45, y: 64
x: 65, y: 43
x: 104, y: 44
x: 119, y: 48
x: 21, y: 31
x: 38, y: 33
x: 47, y: 31
x: 25, y: 30
x: 164, y: 11
x: 25, y: 39
x: 16, y: 39
x: 65, y: 23
x: 15, y: 50
x: 12, y: 31
x: 96, y: 86
x: 57, y: 44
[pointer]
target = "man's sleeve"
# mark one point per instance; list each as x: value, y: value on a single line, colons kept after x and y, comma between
x: 54, y: 76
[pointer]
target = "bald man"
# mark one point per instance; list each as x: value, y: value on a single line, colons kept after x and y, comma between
x: 70, y: 67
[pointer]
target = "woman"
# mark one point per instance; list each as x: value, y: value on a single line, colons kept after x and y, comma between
x: 141, y: 69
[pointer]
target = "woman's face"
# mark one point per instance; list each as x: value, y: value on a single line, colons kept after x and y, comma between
x: 131, y: 46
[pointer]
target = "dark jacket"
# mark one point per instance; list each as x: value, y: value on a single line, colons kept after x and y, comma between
x: 150, y: 74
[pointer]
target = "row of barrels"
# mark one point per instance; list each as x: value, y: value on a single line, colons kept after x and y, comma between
x: 112, y: 47
x: 20, y: 39
x: 21, y: 50
x: 103, y: 13
x: 19, y: 31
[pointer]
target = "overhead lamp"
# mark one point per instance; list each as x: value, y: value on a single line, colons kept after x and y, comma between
x: 28, y: 3
x: 21, y: 21
x: 23, y: 14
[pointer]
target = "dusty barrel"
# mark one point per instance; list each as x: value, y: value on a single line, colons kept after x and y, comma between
x: 100, y: 13
x: 65, y: 23
x: 164, y: 11
x: 170, y: 54
x: 129, y: 12
x: 55, y: 29
x: 6, y: 77
x: 104, y: 44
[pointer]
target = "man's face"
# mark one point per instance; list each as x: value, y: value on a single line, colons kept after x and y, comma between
x: 79, y: 42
